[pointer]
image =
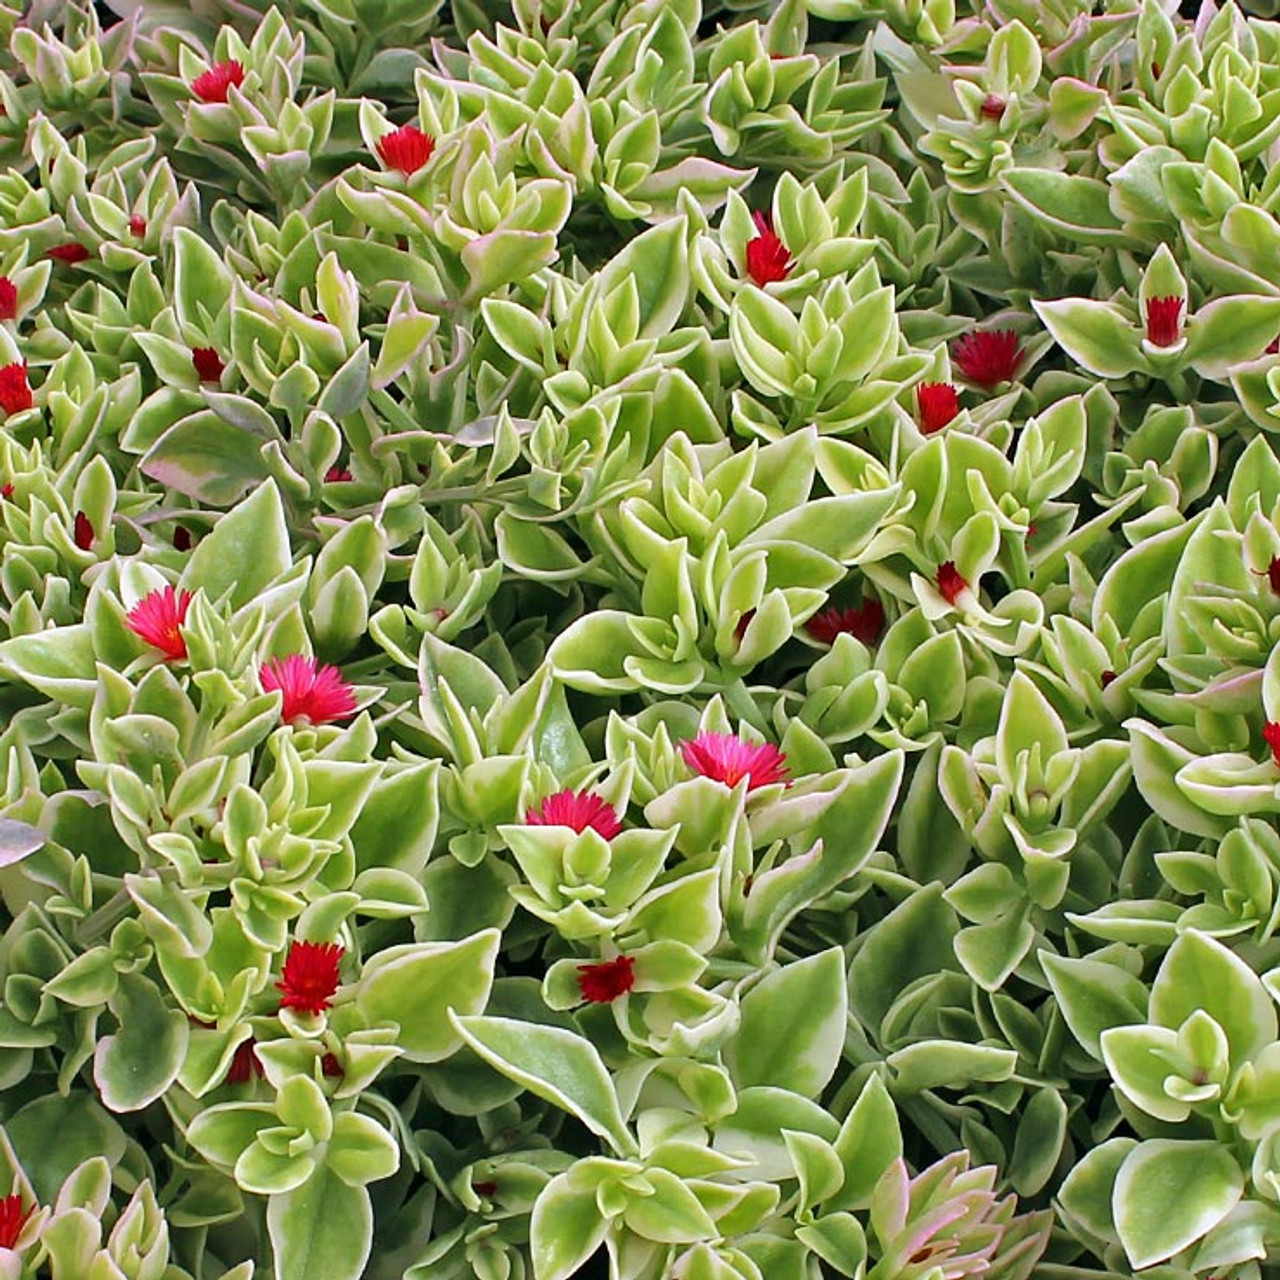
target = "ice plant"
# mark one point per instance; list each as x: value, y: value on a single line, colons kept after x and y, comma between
x: 864, y: 622
x: 950, y: 581
x: 12, y: 1220
x: 8, y: 299
x: 157, y: 618
x: 988, y: 357
x: 83, y: 531
x: 576, y: 809
x: 938, y: 403
x: 71, y: 252
x: 993, y: 106
x: 1164, y: 321
x: 310, y: 976
x: 15, y: 390
x: 767, y: 258
x: 406, y: 149
x: 724, y: 757
x: 310, y: 693
x: 606, y: 981
x: 138, y: 226
x: 1271, y: 736
x: 207, y: 364
x: 212, y: 85
x: 337, y: 475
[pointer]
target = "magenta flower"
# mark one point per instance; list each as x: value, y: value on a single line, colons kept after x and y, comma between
x: 1164, y: 321
x: 157, y: 618
x: 938, y: 403
x: 406, y: 149
x: 579, y: 810
x: 15, y: 390
x: 309, y: 693
x: 864, y: 622
x: 726, y: 758
x: 604, y: 982
x: 212, y: 85
x: 988, y: 357
x: 310, y: 976
x: 767, y: 257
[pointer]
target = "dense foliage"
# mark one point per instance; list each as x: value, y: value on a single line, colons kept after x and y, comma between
x: 639, y: 638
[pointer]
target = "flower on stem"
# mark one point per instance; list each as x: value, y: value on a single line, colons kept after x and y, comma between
x: 83, y: 531
x: 245, y: 1064
x: 604, y: 982
x: 937, y: 403
x: 8, y: 299
x: 212, y: 85
x: 1164, y: 321
x: 406, y: 149
x: 726, y: 758
x: 12, y: 1220
x: 1271, y: 736
x: 71, y: 252
x: 157, y: 618
x: 864, y: 622
x: 576, y: 809
x: 310, y: 693
x: 207, y: 363
x: 310, y: 976
x: 950, y: 581
x: 15, y: 390
x: 988, y: 357
x: 767, y: 258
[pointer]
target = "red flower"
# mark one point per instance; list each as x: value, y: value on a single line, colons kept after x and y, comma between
x: 6, y: 491
x: 72, y: 252
x: 1106, y: 678
x: 1164, y: 321
x: 212, y: 85
x: 864, y: 623
x: 138, y: 226
x: 988, y: 357
x: 157, y: 617
x: 182, y: 538
x: 767, y: 257
x: 310, y: 976
x: 579, y: 810
x: 15, y: 390
x: 331, y: 1067
x: 406, y: 149
x: 84, y: 534
x: 245, y: 1064
x: 1273, y: 347
x: 726, y: 758
x: 606, y: 981
x: 993, y: 106
x: 1271, y: 736
x: 337, y: 475
x: 207, y: 364
x: 8, y: 299
x: 311, y: 693
x: 950, y: 581
x: 12, y: 1220
x: 937, y: 403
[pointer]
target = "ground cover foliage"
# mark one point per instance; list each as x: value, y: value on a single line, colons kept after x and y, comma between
x: 639, y: 638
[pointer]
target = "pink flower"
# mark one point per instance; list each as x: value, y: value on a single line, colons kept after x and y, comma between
x: 15, y: 390
x: 606, y: 981
x: 157, y: 617
x: 83, y: 531
x: 71, y: 252
x: 12, y: 1220
x: 8, y: 299
x: 212, y: 85
x: 1271, y: 736
x: 864, y: 623
x: 310, y: 976
x: 938, y: 403
x: 726, y: 758
x: 988, y: 357
x: 950, y: 582
x: 207, y: 363
x: 309, y: 692
x: 406, y: 149
x: 767, y: 257
x: 579, y: 810
x: 1164, y: 321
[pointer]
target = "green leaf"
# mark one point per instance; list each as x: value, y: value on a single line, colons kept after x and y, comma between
x: 560, y: 1066
x: 792, y: 1028
x: 565, y: 1230
x: 321, y: 1231
x: 1078, y: 206
x: 870, y: 1140
x: 246, y: 551
x: 133, y: 1067
x: 1094, y: 997
x: 1169, y: 1193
